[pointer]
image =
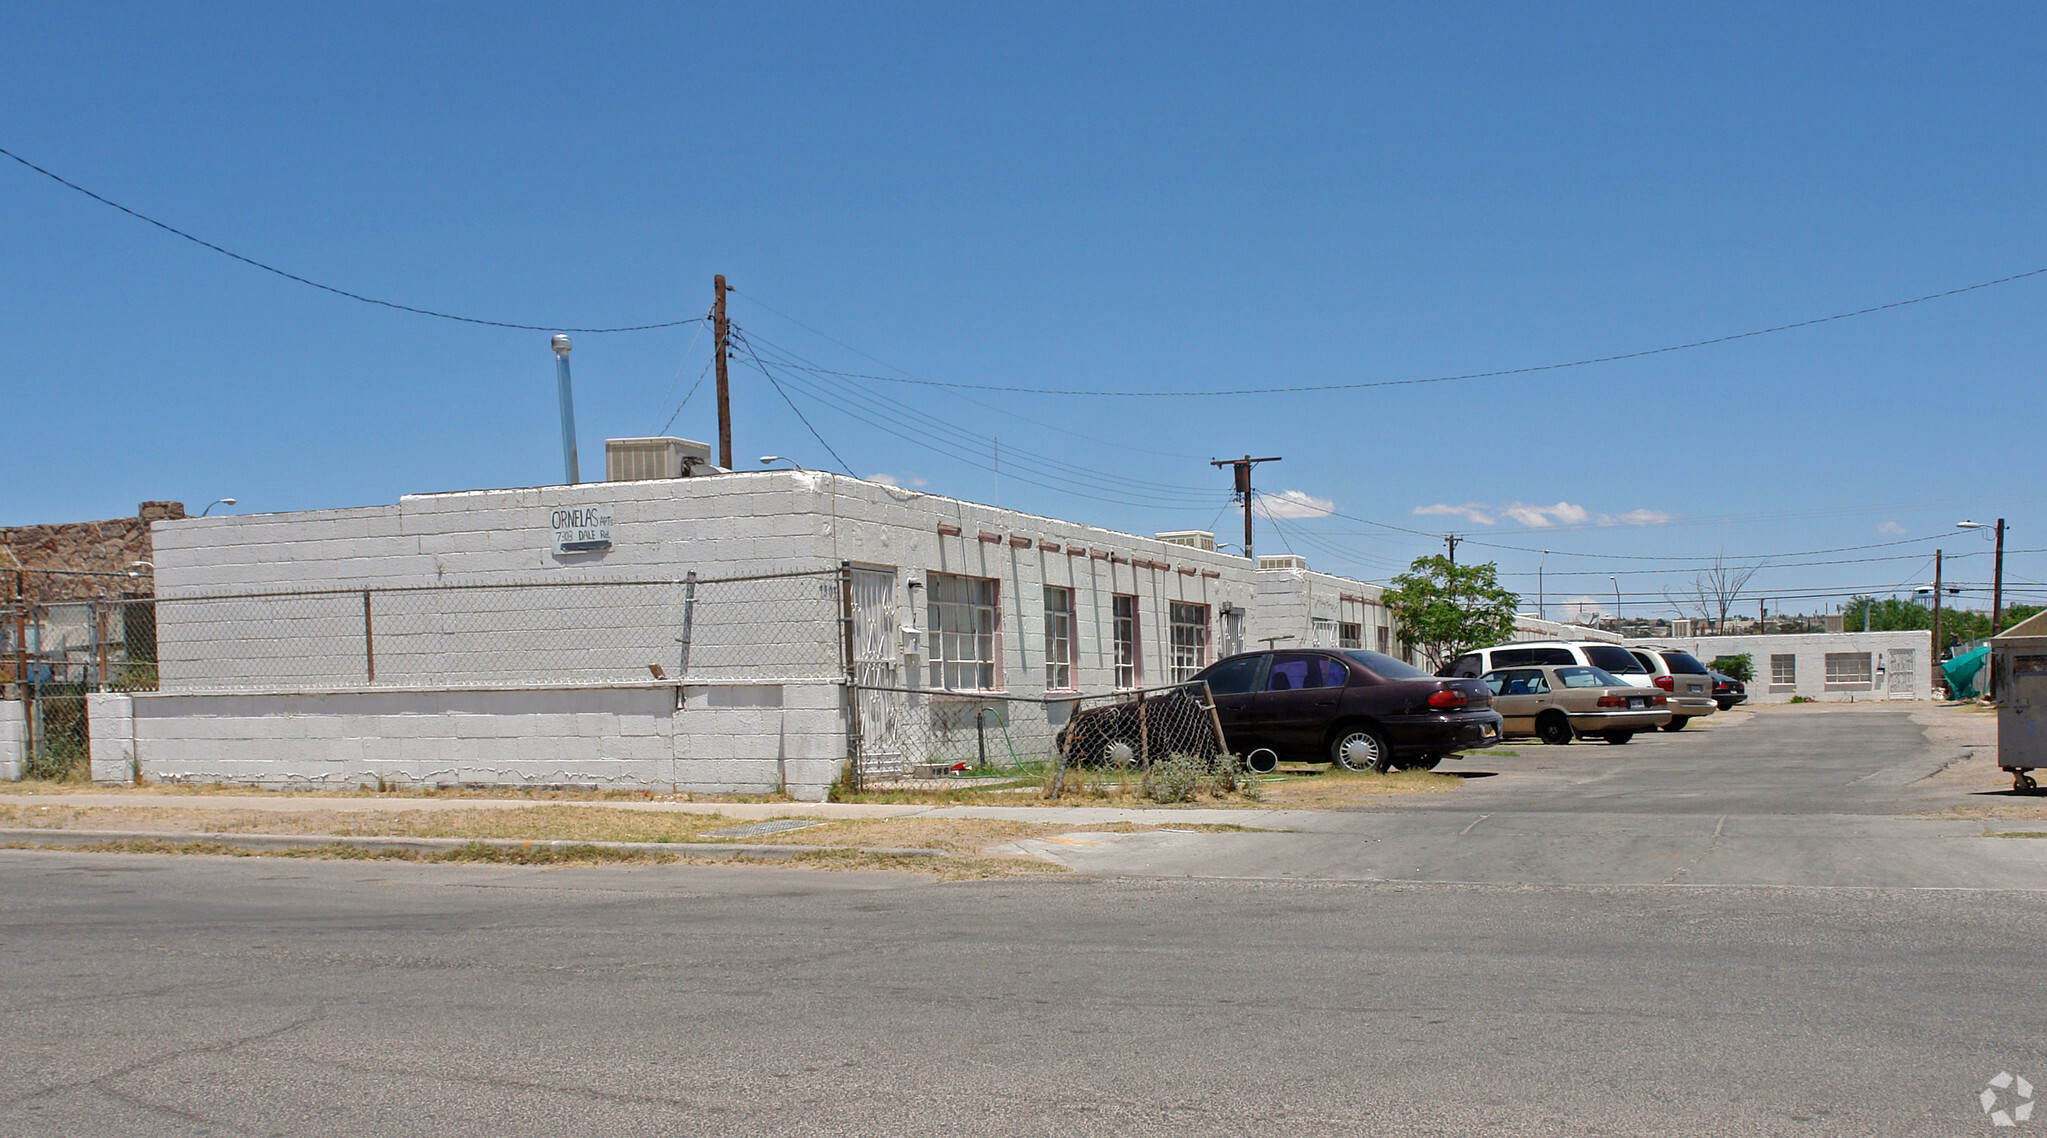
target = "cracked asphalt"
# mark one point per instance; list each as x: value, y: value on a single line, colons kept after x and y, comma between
x: 1742, y: 931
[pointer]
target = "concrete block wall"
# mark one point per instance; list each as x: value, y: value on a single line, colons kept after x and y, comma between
x: 723, y: 740
x: 1290, y: 601
x: 1901, y: 663
x: 110, y: 723
x: 13, y: 739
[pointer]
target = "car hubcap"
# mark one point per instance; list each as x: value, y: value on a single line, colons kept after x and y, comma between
x: 1358, y: 752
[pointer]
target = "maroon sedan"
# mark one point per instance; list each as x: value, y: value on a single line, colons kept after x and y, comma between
x: 1360, y: 710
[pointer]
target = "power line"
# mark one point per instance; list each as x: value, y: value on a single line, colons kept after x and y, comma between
x: 792, y: 406
x: 1533, y: 368
x: 251, y: 261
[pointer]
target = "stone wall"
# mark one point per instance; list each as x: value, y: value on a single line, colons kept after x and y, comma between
x: 101, y: 553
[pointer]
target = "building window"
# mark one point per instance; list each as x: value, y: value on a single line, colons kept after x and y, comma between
x: 1849, y: 668
x: 1321, y: 633
x: 1058, y: 638
x: 1350, y: 636
x: 1129, y: 672
x: 1783, y: 671
x: 964, y: 621
x: 1385, y: 641
x: 1190, y: 640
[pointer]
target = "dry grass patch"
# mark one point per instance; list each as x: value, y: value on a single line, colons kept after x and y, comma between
x: 1338, y: 788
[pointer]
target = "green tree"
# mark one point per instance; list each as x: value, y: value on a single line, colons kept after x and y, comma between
x: 1741, y: 667
x: 1444, y: 609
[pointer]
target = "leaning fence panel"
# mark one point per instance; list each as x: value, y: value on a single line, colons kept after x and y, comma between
x: 910, y: 736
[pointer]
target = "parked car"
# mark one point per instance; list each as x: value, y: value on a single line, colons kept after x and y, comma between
x: 1688, y: 682
x: 1360, y: 710
x: 1613, y: 658
x: 1558, y: 704
x: 1727, y: 691
x: 1176, y: 722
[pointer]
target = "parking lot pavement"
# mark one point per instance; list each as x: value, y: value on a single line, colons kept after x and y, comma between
x: 1786, y: 796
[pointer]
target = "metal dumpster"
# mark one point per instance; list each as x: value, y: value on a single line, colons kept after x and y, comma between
x: 2019, y: 665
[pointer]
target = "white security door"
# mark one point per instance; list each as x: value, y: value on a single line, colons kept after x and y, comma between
x: 877, y: 669
x: 1904, y: 674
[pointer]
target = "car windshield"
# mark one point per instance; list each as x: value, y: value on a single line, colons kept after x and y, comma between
x: 1583, y: 677
x: 1684, y: 663
x: 1386, y: 667
x: 1615, y: 659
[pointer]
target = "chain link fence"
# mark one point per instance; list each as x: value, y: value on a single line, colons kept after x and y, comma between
x: 920, y: 737
x: 557, y: 633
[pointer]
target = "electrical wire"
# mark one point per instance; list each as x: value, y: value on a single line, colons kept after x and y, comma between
x: 686, y: 397
x: 793, y: 407
x: 1528, y: 370
x: 682, y: 365
x: 174, y: 230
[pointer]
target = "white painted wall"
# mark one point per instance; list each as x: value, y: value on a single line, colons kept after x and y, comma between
x: 725, y: 739
x: 1535, y: 628
x: 110, y: 723
x: 1290, y: 601
x: 13, y: 739
x: 1808, y: 652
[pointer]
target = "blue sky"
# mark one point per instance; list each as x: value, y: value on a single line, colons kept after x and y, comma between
x: 1130, y: 197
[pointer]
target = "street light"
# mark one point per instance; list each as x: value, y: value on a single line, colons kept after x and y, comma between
x: 768, y: 458
x: 1997, y: 574
x: 216, y: 502
x: 1616, y: 603
x: 1541, y: 610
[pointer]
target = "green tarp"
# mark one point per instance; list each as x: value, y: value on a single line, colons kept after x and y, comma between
x: 1961, y: 673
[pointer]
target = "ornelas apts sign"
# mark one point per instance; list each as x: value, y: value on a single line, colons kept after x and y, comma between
x: 582, y: 529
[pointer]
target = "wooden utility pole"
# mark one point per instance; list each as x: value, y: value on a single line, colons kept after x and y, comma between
x: 1451, y: 540
x: 1997, y: 585
x: 1936, y: 608
x: 721, y: 329
x: 1242, y: 467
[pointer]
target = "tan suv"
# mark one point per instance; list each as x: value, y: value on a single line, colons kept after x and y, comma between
x: 1689, y: 683
x: 1558, y: 704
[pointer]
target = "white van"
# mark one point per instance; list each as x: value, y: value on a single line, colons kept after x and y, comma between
x: 1597, y: 653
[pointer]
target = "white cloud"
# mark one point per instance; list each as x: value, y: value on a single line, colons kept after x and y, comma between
x: 1890, y: 527
x: 1472, y: 512
x: 1543, y: 517
x: 1583, y: 610
x: 898, y: 480
x: 1292, y: 504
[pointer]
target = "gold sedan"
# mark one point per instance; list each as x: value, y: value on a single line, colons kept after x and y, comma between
x: 1558, y: 703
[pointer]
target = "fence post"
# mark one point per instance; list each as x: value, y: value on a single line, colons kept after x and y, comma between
x: 981, y: 738
x: 21, y: 636
x: 1222, y: 745
x: 100, y: 630
x: 852, y: 673
x: 1144, y: 737
x: 369, y: 638
x: 689, y: 618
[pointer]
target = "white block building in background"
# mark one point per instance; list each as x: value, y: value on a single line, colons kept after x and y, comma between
x: 1824, y: 665
x: 1297, y: 607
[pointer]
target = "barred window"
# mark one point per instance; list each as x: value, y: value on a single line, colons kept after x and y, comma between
x: 1849, y: 668
x: 964, y: 621
x: 1350, y: 636
x: 1321, y: 633
x: 1783, y: 670
x: 1129, y: 672
x: 1385, y: 641
x: 1058, y: 638
x: 1190, y: 639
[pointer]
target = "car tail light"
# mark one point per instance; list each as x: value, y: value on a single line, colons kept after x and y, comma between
x: 1613, y: 701
x: 1660, y: 701
x: 1666, y: 683
x: 1447, y: 700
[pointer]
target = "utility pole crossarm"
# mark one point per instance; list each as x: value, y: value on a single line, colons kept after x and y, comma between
x: 1242, y: 467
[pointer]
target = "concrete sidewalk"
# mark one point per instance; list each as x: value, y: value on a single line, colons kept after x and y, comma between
x: 1250, y: 817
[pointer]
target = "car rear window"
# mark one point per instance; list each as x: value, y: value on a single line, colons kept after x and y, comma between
x: 1386, y: 667
x: 1553, y: 656
x: 1614, y: 659
x: 1579, y: 676
x: 1684, y: 662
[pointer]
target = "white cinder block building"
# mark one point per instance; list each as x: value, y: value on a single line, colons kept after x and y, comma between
x: 1297, y: 607
x: 1824, y: 665
x: 677, y: 633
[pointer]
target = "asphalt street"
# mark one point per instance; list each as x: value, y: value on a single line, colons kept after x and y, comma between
x: 229, y: 996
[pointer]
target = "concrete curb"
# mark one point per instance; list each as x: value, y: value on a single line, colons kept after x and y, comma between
x: 53, y: 837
